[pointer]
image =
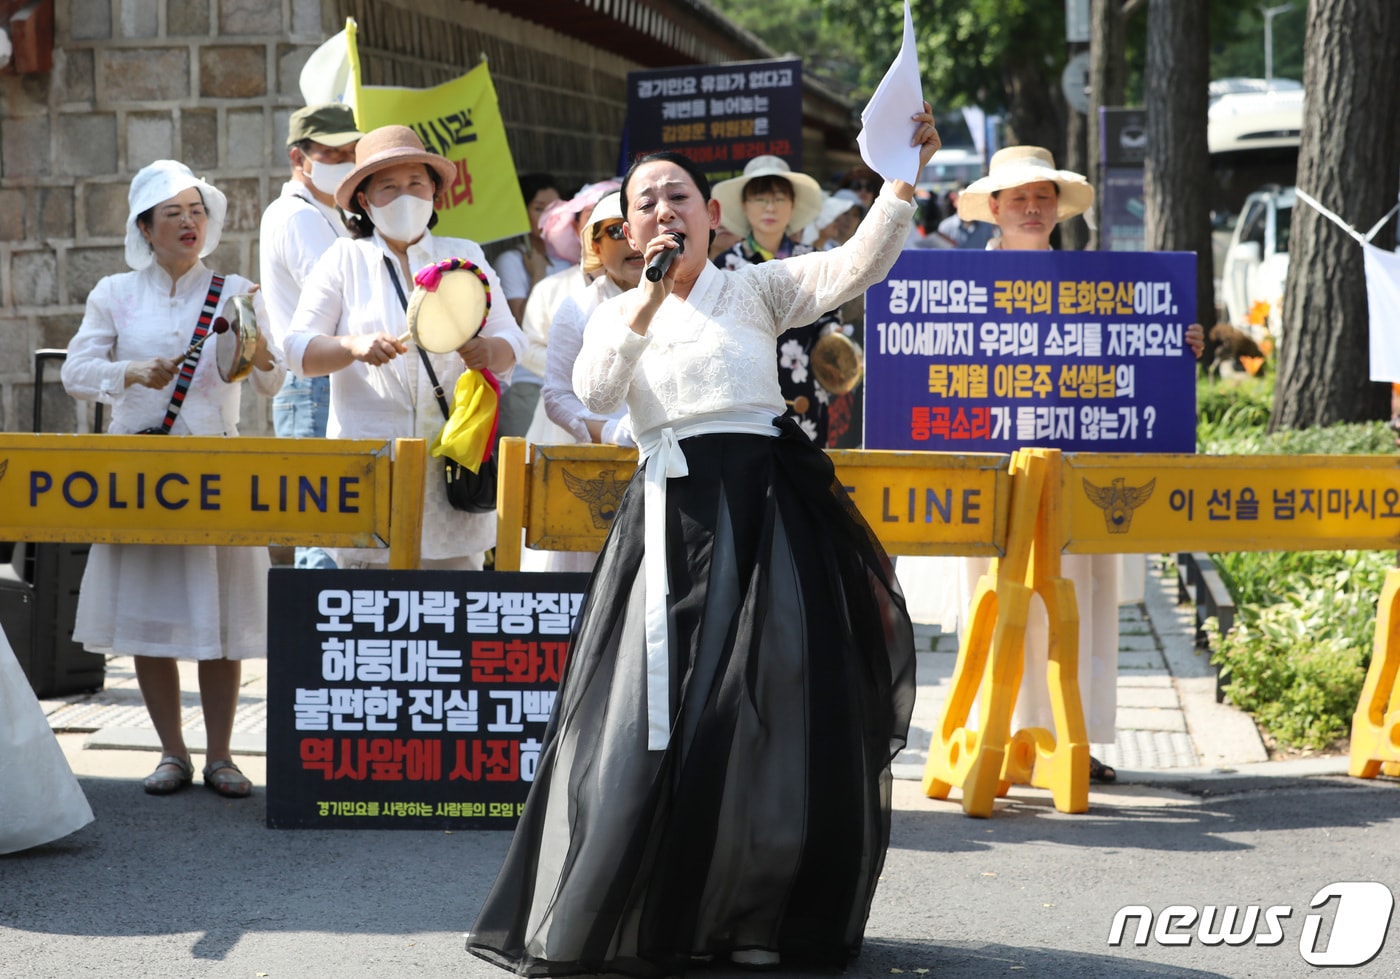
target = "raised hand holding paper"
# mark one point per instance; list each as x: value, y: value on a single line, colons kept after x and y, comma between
x: 886, y: 126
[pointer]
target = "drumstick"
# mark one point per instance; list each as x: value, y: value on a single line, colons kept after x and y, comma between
x: 220, y: 326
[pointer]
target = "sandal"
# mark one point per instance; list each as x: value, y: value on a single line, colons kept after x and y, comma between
x: 1099, y: 772
x: 225, y: 778
x: 172, y: 774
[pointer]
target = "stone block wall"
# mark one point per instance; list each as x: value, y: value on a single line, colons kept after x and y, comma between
x: 212, y: 83
x: 208, y: 82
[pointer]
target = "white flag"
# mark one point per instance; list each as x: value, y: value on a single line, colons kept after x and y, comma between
x: 1383, y: 301
x: 326, y: 75
x: 886, y: 123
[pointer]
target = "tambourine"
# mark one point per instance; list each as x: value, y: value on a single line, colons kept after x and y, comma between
x: 449, y: 305
x: 235, y: 346
x: 837, y: 363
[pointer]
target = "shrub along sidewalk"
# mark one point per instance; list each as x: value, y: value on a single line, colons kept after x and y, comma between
x: 1297, y: 655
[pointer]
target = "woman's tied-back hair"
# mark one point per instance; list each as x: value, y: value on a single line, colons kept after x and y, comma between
x: 702, y: 183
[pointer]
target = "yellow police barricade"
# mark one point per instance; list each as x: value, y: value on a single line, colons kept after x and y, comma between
x: 985, y: 761
x: 563, y: 498
x: 1128, y: 503
x: 143, y: 489
x: 1089, y: 503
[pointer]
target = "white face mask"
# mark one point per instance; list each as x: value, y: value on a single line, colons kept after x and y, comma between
x: 326, y: 177
x: 404, y: 218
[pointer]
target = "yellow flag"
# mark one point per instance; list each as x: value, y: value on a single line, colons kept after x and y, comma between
x: 461, y: 120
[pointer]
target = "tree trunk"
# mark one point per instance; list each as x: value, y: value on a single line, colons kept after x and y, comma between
x: 1176, y: 173
x: 1107, y: 80
x: 1074, y: 233
x: 1348, y: 162
x: 1035, y: 106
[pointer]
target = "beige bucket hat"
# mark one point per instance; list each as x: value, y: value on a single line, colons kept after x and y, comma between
x: 389, y: 146
x: 1017, y: 166
x: 806, y: 201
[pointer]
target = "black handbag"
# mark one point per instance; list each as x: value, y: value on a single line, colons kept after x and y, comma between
x: 472, y: 492
x: 182, y: 384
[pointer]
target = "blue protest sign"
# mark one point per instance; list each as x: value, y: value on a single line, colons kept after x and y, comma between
x: 992, y: 351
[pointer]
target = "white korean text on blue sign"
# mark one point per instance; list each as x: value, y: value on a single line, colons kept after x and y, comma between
x: 990, y: 351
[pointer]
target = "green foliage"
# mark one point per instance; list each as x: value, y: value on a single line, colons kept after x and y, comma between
x: 1297, y: 655
x: 797, y: 27
x: 1238, y: 48
x: 1232, y: 418
x: 1227, y: 408
x: 962, y: 44
x: 965, y: 45
x: 1300, y: 686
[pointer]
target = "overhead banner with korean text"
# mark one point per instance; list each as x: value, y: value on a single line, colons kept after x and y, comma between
x: 991, y: 351
x: 721, y: 116
x: 410, y: 699
x: 462, y: 121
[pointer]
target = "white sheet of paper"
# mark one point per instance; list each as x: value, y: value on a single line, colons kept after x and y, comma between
x: 1383, y: 301
x: 886, y: 126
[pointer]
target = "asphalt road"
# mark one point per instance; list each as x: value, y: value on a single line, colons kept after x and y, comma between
x: 194, y: 885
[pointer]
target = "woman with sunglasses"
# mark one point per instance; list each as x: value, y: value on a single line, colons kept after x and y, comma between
x: 615, y: 267
x: 864, y: 181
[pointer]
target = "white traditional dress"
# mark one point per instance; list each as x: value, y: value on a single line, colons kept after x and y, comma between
x: 715, y: 776
x: 41, y: 801
x: 191, y: 601
x: 350, y: 292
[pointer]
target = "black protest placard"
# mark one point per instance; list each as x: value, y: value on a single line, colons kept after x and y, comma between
x: 721, y: 116
x: 410, y: 699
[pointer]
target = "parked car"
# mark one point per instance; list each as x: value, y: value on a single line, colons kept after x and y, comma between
x: 949, y: 167
x: 1256, y: 263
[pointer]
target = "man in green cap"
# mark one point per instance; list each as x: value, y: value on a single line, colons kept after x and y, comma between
x: 297, y: 229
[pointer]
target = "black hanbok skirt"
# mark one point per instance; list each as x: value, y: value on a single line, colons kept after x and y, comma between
x: 764, y: 823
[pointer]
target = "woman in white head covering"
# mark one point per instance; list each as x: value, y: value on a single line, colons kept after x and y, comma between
x: 835, y: 222
x: 560, y: 228
x: 768, y: 206
x: 160, y: 603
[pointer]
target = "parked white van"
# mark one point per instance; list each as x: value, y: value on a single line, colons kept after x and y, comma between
x: 1256, y: 263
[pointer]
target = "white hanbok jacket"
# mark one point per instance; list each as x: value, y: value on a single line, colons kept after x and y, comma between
x: 187, y: 602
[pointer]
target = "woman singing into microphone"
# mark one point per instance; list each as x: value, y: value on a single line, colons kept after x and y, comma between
x: 715, y: 780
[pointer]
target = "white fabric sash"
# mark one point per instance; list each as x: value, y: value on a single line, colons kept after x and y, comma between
x: 661, y: 450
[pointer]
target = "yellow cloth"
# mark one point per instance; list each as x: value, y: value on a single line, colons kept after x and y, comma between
x: 467, y: 434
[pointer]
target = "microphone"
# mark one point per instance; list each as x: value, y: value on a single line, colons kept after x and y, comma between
x: 657, y: 267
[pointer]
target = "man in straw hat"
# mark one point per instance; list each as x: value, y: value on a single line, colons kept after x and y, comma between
x: 1025, y: 196
x: 767, y: 207
x: 297, y: 229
